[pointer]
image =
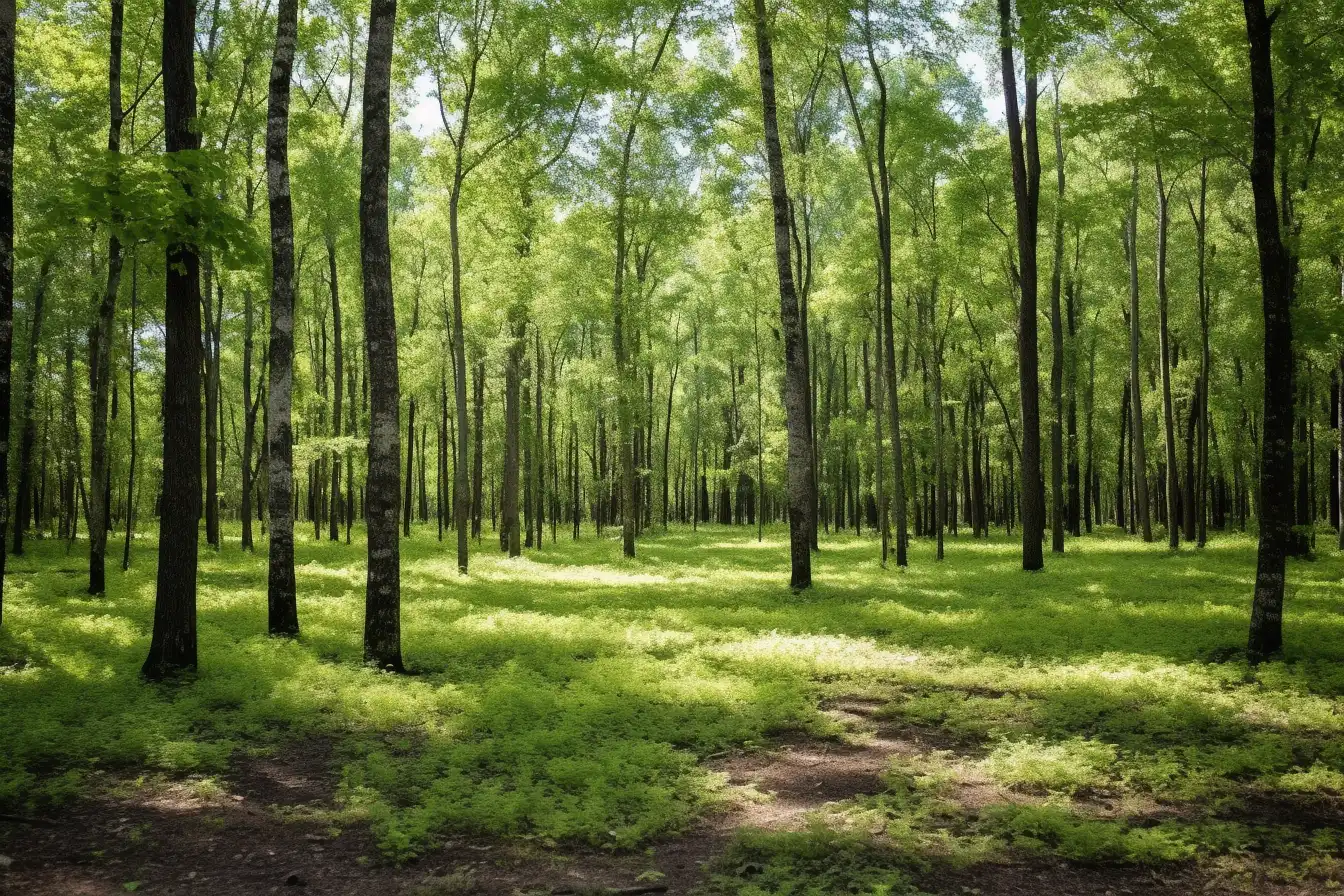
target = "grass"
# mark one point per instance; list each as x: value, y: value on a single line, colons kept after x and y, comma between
x: 573, y: 696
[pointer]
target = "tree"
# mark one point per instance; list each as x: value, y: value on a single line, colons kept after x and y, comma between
x: 173, y: 645
x: 281, y: 590
x: 1026, y: 197
x: 100, y: 360
x: 8, y: 23
x: 382, y: 608
x: 801, y: 487
x: 1276, y: 290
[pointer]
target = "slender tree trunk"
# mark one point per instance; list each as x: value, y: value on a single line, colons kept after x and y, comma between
x: 1202, y: 466
x: 1121, y: 482
x: 8, y: 24
x: 173, y: 644
x: 27, y: 422
x: 510, y: 515
x: 939, y: 449
x: 1057, y: 347
x: 338, y: 371
x: 1139, y: 507
x: 1276, y: 280
x: 461, y: 493
x: 1074, y: 514
x: 281, y: 591
x: 1164, y: 343
x: 100, y: 360
x: 667, y: 437
x: 801, y: 488
x: 382, y: 609
x: 131, y: 336
x: 250, y: 404
x: 408, y: 502
x: 478, y: 459
x: 1339, y: 470
x: 1026, y: 195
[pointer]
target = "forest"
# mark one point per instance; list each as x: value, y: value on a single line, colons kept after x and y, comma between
x: 619, y: 447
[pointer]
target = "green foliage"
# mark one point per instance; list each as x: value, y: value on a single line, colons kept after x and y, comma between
x: 1060, y: 832
x: 817, y: 862
x: 158, y: 200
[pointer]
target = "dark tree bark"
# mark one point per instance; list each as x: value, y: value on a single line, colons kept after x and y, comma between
x: 1202, y: 465
x: 478, y: 455
x: 1057, y: 347
x: 538, y: 457
x: 1139, y: 467
x: 131, y: 331
x: 382, y: 608
x: 338, y: 370
x: 8, y: 23
x: 1026, y: 196
x: 1120, y: 477
x: 408, y: 501
x: 100, y: 339
x: 213, y: 316
x: 801, y: 487
x: 27, y: 421
x: 1075, y: 510
x: 281, y: 591
x: 1276, y: 286
x: 173, y: 645
x: 511, y: 538
x: 1164, y: 346
x: 667, y: 436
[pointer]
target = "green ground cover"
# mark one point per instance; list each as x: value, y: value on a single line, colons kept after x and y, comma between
x: 574, y: 697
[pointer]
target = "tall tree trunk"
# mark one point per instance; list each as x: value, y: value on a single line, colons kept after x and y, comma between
x: 211, y: 344
x: 667, y: 437
x: 408, y: 502
x: 478, y: 459
x: 1026, y: 197
x: 281, y: 591
x: 510, y: 517
x: 100, y: 356
x: 251, y: 404
x: 1074, y: 514
x: 801, y: 487
x: 382, y: 608
x: 461, y: 492
x: 1057, y: 347
x: 1173, y: 488
x: 539, y: 461
x: 1202, y: 466
x: 27, y: 421
x: 1276, y: 282
x: 338, y: 372
x: 173, y: 645
x: 131, y: 335
x: 8, y: 23
x: 1139, y: 506
x: 1121, y: 480
x: 939, y: 449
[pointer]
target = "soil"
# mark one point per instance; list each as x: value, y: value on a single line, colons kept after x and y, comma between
x: 179, y: 839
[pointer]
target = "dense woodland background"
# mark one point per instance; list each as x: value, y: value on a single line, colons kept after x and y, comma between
x: 525, y: 271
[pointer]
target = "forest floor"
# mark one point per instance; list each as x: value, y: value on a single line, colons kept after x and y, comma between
x: 682, y: 723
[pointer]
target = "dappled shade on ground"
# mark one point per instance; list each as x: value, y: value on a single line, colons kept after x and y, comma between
x: 937, y: 726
